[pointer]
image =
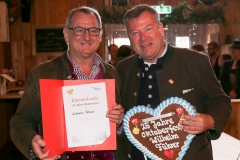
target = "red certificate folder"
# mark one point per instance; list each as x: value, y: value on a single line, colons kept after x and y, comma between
x: 53, y: 119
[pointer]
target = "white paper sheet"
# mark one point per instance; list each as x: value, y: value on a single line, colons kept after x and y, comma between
x: 85, y: 109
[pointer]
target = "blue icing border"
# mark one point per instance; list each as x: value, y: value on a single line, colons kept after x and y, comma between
x: 137, y: 109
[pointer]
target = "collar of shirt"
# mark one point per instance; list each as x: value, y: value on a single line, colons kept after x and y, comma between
x: 94, y: 70
x: 159, y: 61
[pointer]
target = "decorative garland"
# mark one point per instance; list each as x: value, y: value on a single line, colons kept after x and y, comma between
x: 181, y: 14
x: 114, y: 14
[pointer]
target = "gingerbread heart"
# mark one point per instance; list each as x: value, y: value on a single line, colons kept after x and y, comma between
x: 156, y: 132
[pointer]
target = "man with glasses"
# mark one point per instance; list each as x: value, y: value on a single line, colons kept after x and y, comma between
x: 212, y: 50
x: 83, y: 34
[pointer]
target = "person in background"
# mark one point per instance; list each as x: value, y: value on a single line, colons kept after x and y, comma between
x: 198, y: 47
x: 159, y: 71
x: 230, y: 77
x: 123, y: 52
x: 212, y: 51
x: 83, y: 34
x: 112, y: 50
x: 221, y: 60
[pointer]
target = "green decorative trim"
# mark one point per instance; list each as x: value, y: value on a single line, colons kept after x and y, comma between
x: 181, y: 14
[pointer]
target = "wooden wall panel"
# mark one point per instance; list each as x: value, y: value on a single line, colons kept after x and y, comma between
x: 5, y: 56
x: 93, y: 3
x: 233, y: 19
x: 1, y: 57
x: 73, y: 4
x: 41, y: 12
x: 49, y: 7
x: 18, y: 59
x: 35, y: 18
x: 6, y: 59
x: 61, y: 12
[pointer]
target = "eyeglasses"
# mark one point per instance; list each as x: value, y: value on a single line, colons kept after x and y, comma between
x: 79, y: 31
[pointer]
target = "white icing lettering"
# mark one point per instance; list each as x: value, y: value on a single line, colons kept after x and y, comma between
x: 161, y: 133
x: 145, y: 125
x: 162, y: 122
x: 165, y: 130
x: 162, y: 138
x: 166, y: 146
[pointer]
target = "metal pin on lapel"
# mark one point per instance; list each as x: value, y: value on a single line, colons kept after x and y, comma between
x: 69, y: 77
x: 138, y: 74
x: 135, y: 94
x: 171, y: 81
x: 187, y: 90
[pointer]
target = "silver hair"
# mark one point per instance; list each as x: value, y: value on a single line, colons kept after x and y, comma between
x: 86, y: 10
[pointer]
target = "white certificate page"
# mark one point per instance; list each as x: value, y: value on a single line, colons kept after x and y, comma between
x: 85, y: 109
